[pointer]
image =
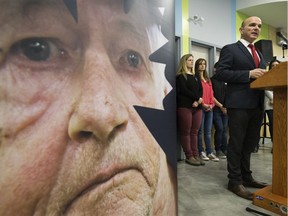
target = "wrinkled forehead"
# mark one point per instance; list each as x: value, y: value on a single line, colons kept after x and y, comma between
x: 80, y: 8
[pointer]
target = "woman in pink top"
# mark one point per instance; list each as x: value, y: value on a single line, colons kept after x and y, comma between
x: 207, y: 109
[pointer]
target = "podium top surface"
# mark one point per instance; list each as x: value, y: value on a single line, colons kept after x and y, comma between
x: 274, y: 78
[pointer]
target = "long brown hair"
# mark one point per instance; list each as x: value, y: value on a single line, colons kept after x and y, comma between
x: 205, y: 73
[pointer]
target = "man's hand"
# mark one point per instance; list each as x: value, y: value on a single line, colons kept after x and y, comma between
x: 256, y: 73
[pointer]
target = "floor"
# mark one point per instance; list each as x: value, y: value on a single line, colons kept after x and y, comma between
x: 202, y: 191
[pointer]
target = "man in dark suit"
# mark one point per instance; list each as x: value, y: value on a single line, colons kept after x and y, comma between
x: 244, y: 105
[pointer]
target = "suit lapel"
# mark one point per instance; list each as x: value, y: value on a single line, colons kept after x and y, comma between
x: 246, y: 52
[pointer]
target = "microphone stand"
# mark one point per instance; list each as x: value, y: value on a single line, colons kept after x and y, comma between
x: 284, y: 46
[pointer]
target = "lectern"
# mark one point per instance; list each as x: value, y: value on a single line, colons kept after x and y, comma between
x: 274, y: 198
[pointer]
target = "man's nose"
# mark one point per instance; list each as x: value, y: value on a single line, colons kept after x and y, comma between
x: 100, y: 111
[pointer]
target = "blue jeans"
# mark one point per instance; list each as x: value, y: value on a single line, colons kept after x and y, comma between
x: 220, y: 122
x: 206, y: 125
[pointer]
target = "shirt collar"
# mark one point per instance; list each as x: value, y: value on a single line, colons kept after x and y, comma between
x: 244, y: 42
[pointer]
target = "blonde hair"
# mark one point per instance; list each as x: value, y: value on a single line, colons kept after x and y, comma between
x: 182, y: 67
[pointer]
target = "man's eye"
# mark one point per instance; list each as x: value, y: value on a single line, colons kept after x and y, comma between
x: 132, y: 62
x: 133, y: 59
x: 35, y: 49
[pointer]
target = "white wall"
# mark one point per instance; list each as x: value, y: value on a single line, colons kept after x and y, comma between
x: 240, y: 4
x: 218, y: 27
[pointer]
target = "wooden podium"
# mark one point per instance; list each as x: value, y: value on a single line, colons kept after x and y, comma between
x: 274, y: 198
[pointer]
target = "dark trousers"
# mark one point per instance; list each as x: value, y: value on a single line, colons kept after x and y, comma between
x: 270, y: 119
x: 244, y: 130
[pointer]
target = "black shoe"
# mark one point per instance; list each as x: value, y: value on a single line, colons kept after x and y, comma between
x: 240, y: 190
x: 255, y: 184
x: 256, y: 149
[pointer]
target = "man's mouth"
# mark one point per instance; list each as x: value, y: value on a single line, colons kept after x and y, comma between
x: 255, y: 33
x: 98, y: 188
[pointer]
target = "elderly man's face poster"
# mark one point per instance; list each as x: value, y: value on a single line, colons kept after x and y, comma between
x: 84, y: 86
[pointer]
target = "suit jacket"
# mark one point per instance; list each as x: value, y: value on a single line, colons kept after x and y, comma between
x: 235, y: 62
